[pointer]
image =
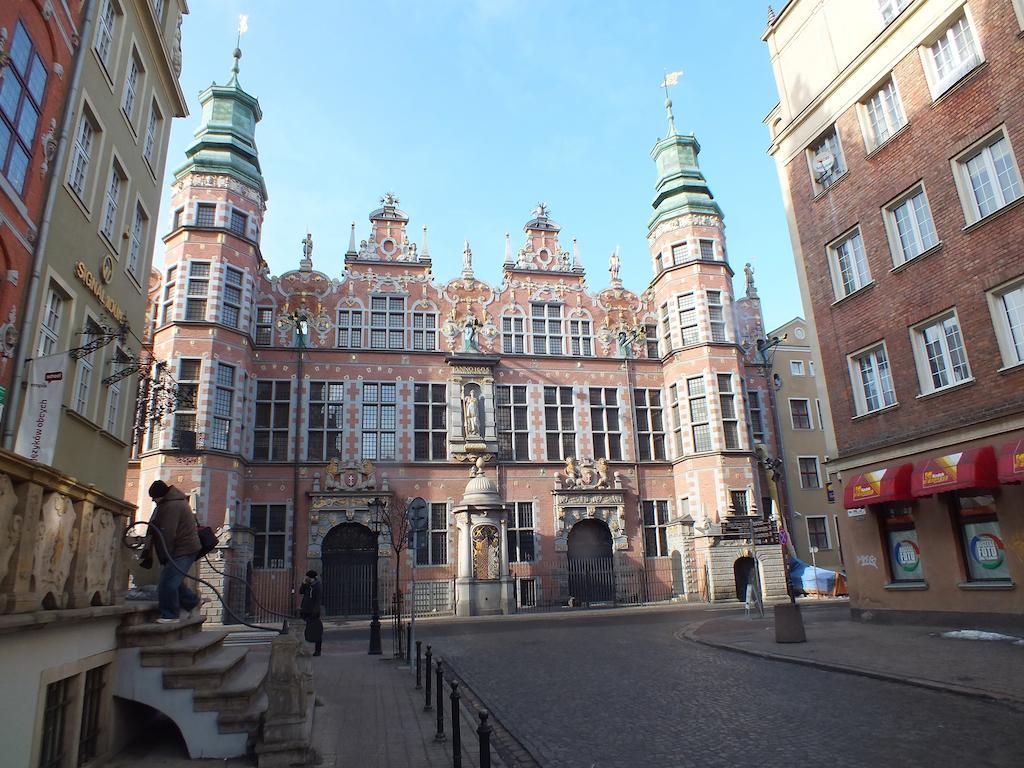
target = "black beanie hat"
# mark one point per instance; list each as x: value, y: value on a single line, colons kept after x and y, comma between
x: 158, y: 489
x: 311, y: 574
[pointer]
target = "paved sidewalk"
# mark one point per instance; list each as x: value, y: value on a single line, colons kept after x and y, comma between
x: 910, y: 654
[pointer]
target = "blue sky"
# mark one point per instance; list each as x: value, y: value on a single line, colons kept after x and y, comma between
x: 473, y: 111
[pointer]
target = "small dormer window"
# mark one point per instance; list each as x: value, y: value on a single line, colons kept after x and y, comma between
x: 206, y: 214
x: 239, y: 222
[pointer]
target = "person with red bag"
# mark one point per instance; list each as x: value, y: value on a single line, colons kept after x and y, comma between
x: 176, y: 546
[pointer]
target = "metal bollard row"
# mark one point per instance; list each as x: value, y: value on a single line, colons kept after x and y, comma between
x: 483, y: 731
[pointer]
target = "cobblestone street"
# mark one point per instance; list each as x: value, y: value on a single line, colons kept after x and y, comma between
x: 626, y: 689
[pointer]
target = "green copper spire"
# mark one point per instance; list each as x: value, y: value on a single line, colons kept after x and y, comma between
x: 225, y: 141
x: 681, y: 187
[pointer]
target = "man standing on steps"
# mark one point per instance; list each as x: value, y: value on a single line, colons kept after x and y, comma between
x: 176, y: 547
x: 309, y: 609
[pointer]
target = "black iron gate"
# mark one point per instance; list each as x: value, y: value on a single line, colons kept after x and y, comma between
x: 349, y: 563
x: 590, y: 565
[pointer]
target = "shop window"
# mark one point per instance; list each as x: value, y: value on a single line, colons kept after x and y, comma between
x: 901, y: 544
x: 981, y: 537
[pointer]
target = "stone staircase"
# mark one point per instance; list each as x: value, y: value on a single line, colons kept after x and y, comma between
x: 214, y: 693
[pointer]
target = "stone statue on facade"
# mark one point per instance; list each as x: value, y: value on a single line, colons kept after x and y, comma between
x: 471, y: 410
x: 470, y: 326
x: 613, y: 268
x: 751, y: 288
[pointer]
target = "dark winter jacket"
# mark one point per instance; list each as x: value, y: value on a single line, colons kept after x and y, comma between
x: 312, y: 594
x: 175, y: 520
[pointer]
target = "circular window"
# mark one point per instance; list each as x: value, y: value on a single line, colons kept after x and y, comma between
x: 389, y: 246
x: 799, y: 333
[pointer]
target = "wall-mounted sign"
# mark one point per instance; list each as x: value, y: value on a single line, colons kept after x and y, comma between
x: 107, y: 268
x: 858, y: 512
x: 88, y: 279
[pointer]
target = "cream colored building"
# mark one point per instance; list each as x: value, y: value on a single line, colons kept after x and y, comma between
x: 95, y: 250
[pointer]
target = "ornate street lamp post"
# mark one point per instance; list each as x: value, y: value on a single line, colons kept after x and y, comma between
x: 376, y: 509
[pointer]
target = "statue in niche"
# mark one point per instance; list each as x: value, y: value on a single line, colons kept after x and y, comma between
x: 471, y: 411
x: 470, y: 326
x: 486, y: 555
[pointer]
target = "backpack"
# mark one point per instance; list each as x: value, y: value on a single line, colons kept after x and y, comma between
x: 207, y: 540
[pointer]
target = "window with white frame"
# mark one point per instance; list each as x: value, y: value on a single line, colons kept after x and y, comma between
x: 167, y: 300
x: 106, y: 29
x: 604, y: 423
x: 800, y: 413
x: 269, y: 523
x: 817, y: 532
x: 379, y: 421
x: 231, y: 301
x: 53, y: 317
x: 264, y: 326
x: 512, y: 422
x: 132, y: 84
x: 158, y: 10
x: 910, y: 226
x: 755, y: 409
x: 139, y: 226
x: 688, y: 328
x: 680, y: 253
x: 707, y: 249
x: 387, y: 322
x: 810, y: 474
x: 727, y: 403
x: 884, y: 114
x: 560, y: 422
x: 699, y: 419
x: 273, y: 418
x: 198, y: 290
x: 988, y: 177
x: 655, y: 518
x: 954, y: 53
x: 939, y: 353
x: 223, y: 407
x: 716, y: 316
x: 429, y: 422
x: 849, y: 264
x: 112, y: 422
x: 206, y: 215
x: 810, y: 366
x: 677, y: 419
x: 546, y: 329
x: 112, y: 201
x: 521, y: 532
x: 513, y: 335
x: 350, y: 328
x: 826, y: 159
x: 650, y: 424
x: 871, y: 379
x: 1007, y: 306
x: 424, y: 331
x: 326, y: 420
x: 86, y: 363
x: 796, y: 367
x: 890, y: 9
x: 153, y: 126
x: 22, y: 89
x: 651, y: 341
x: 78, y: 168
x: 821, y: 415
x: 580, y: 342
x: 238, y: 223
x: 666, y: 329
x: 187, y: 402
x: 432, y: 544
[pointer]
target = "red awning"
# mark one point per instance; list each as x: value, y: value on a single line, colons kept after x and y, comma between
x: 1011, y: 462
x: 879, y: 486
x: 974, y: 468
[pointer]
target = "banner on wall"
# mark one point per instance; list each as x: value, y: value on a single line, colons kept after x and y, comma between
x: 40, y: 421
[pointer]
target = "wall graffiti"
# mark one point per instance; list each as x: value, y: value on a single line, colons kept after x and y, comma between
x: 866, y: 561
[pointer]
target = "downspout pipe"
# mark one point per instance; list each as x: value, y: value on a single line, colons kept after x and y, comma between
x: 31, y: 303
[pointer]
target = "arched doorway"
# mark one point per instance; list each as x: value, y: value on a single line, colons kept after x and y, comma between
x: 349, y: 557
x: 591, y: 567
x: 743, y: 570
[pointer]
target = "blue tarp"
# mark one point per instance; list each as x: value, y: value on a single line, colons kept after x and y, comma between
x: 809, y: 579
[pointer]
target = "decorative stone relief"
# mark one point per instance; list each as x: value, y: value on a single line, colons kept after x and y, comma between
x: 55, y: 547
x: 352, y: 476
x: 486, y: 552
x: 571, y: 508
x: 101, y: 551
x: 10, y: 524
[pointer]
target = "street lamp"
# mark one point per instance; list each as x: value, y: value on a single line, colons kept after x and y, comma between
x: 376, y: 509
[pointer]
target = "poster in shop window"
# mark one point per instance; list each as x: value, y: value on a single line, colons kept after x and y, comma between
x: 905, y: 556
x: 986, y: 555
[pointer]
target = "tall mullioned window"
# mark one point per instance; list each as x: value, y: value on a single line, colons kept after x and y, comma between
x: 677, y: 419
x: 198, y: 290
x: 546, y: 329
x: 270, y: 524
x: 429, y: 422
x: 53, y: 315
x: 512, y: 422
x: 604, y: 423
x: 350, y: 328
x: 21, y: 101
x: 264, y: 326
x: 184, y: 434
x: 688, y: 327
x: 223, y: 407
x: 560, y: 422
x: 424, y: 331
x: 387, y: 322
x: 432, y: 544
x: 755, y: 409
x: 716, y: 316
x: 273, y: 418
x: 326, y: 420
x: 699, y: 418
x: 730, y: 421
x: 520, y: 532
x: 231, y: 306
x: 379, y: 421
x: 650, y: 424
x: 655, y: 518
x: 513, y: 335
x: 580, y: 342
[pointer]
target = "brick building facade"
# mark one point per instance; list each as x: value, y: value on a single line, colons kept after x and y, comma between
x: 898, y: 167
x: 599, y: 424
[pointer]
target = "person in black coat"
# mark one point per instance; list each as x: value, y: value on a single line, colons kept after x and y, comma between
x: 312, y: 590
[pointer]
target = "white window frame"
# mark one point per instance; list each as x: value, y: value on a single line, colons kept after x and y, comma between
x: 513, y: 335
x: 856, y: 381
x: 983, y: 149
x: 836, y: 252
x: 139, y: 234
x: 925, y: 236
x: 564, y: 399
x: 117, y: 182
x: 817, y: 473
x: 828, y: 533
x: 196, y: 280
x: 604, y: 404
x: 221, y: 421
x: 233, y: 273
x: 656, y: 525
x: 518, y: 513
x: 86, y: 137
x: 796, y: 367
x: 546, y: 328
x: 938, y: 84
x: 354, y: 328
x: 881, y: 114
x: 686, y: 306
x: 717, y: 320
x: 581, y: 342
x: 827, y: 180
x: 792, y: 416
x: 727, y: 406
x: 85, y: 369
x: 435, y: 537
x: 169, y: 290
x: 51, y: 321
x: 890, y: 9
x: 921, y: 355
x: 134, y: 83
x: 1010, y: 337
x: 106, y: 32
x: 424, y: 330
x: 153, y: 123
x: 693, y: 397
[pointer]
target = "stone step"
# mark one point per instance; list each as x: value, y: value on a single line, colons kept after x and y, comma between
x: 240, y: 688
x: 150, y: 634
x: 185, y: 652
x: 208, y: 672
x: 246, y: 721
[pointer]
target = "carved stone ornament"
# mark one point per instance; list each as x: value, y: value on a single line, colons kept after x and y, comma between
x: 101, y: 551
x: 10, y: 524
x: 585, y: 474
x: 486, y: 552
x: 55, y: 547
x: 351, y: 476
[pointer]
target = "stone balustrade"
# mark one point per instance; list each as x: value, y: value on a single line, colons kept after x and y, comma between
x: 60, y: 540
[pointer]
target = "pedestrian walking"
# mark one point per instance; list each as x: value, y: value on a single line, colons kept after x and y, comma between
x: 309, y: 609
x: 176, y: 543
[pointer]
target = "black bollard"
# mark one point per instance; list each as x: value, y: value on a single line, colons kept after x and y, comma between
x: 439, y: 736
x: 456, y: 727
x: 427, y: 706
x: 483, y: 733
x: 419, y: 676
